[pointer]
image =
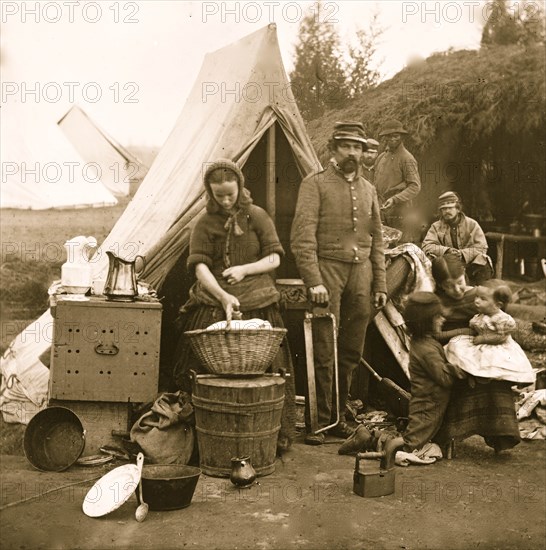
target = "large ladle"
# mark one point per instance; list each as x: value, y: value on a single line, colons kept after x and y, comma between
x: 142, y: 510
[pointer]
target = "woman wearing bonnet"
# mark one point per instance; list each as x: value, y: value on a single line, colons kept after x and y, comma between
x: 234, y: 248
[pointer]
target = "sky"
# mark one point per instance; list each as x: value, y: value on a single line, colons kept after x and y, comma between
x: 131, y: 64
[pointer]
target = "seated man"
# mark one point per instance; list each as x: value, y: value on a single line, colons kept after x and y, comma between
x: 457, y: 234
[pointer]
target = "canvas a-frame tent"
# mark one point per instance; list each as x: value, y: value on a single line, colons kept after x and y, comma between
x: 41, y: 169
x: 118, y: 167
x: 260, y: 128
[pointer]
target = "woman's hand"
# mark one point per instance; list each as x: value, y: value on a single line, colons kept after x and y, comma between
x: 235, y: 274
x: 229, y: 303
x: 208, y: 280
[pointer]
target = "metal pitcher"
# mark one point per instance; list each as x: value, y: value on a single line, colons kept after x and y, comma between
x: 121, y: 281
x: 243, y: 473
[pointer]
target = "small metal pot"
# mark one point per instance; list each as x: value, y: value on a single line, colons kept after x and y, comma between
x: 54, y: 439
x: 168, y: 486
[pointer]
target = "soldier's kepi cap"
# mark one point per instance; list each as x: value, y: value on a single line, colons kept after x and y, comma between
x: 353, y: 131
x: 448, y: 200
x: 373, y: 145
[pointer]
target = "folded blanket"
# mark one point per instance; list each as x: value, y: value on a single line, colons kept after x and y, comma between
x: 420, y: 266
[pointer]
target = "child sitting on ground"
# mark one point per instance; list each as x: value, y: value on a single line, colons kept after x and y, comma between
x: 492, y: 353
x: 431, y: 374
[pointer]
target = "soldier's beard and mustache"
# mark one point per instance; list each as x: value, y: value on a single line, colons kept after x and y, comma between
x: 348, y: 165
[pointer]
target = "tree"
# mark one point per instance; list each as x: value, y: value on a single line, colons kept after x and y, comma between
x: 533, y: 24
x: 501, y: 27
x: 361, y: 70
x: 510, y: 24
x: 318, y: 80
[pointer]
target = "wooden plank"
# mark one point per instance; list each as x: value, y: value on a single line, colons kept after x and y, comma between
x: 310, y: 366
x: 494, y: 236
x: 393, y: 342
x: 500, y: 258
x: 397, y: 322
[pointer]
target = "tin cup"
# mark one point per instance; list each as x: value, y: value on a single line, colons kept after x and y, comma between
x: 98, y: 287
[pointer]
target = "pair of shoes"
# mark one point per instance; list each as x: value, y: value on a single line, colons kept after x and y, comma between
x: 360, y: 440
x: 314, y: 439
x: 341, y: 430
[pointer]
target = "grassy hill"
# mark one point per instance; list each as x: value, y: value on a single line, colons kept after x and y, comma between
x: 476, y: 92
x: 476, y: 122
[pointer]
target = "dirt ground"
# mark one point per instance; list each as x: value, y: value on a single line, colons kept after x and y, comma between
x: 476, y: 500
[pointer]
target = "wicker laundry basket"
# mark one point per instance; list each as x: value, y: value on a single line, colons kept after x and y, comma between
x: 236, y: 352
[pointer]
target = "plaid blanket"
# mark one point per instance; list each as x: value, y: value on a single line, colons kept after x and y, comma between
x: 486, y: 409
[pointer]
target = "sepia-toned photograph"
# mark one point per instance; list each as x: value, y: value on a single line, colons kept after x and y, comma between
x: 273, y: 274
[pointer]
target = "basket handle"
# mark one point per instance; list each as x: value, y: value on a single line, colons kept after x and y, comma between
x: 235, y: 314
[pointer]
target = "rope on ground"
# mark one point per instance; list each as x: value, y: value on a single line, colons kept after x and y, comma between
x: 41, y: 495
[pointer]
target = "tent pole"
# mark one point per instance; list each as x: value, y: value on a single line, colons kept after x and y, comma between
x: 271, y: 173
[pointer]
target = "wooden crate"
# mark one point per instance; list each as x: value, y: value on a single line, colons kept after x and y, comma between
x: 99, y: 419
x: 105, y: 351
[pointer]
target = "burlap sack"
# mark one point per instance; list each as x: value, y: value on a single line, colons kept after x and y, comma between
x: 166, y: 433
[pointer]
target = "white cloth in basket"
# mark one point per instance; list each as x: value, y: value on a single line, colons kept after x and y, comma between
x: 241, y: 324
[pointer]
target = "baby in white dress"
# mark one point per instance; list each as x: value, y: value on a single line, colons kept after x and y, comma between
x: 493, y: 353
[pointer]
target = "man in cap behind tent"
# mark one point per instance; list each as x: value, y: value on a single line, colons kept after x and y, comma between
x: 457, y: 234
x: 396, y: 177
x: 368, y: 159
x: 337, y: 243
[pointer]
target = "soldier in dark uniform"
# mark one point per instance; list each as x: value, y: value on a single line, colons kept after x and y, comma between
x: 338, y: 246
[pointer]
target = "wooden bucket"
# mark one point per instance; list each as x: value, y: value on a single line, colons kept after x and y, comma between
x: 237, y: 417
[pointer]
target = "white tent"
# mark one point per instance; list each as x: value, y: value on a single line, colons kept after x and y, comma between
x: 40, y: 169
x: 118, y: 167
x: 241, y: 107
